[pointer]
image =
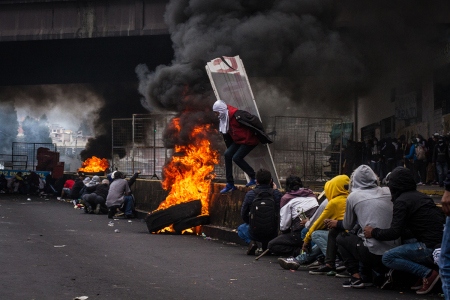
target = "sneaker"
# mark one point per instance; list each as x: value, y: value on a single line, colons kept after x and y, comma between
x: 289, y: 263
x: 315, y: 265
x: 344, y: 274
x: 428, y: 283
x: 418, y: 285
x: 97, y: 209
x: 354, y: 282
x: 252, y: 248
x: 259, y: 251
x: 331, y: 273
x: 251, y: 182
x: 322, y: 270
x: 58, y: 198
x: 340, y: 267
x: 228, y: 188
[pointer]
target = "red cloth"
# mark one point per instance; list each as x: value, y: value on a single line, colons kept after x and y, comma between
x: 239, y: 133
x: 69, y: 183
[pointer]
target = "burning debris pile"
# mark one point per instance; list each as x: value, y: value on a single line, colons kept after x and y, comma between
x: 94, y: 165
x: 188, y: 176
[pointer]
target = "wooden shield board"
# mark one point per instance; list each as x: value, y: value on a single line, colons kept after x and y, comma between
x: 230, y: 84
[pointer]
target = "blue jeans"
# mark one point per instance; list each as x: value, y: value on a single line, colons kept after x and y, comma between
x: 441, y: 168
x: 244, y: 233
x: 320, y: 238
x: 237, y: 152
x: 444, y: 260
x: 128, y: 205
x: 412, y: 258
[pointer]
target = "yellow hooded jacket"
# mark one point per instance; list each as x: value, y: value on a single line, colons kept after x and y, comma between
x: 336, y: 191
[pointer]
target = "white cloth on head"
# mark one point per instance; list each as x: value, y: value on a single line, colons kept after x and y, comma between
x: 221, y: 107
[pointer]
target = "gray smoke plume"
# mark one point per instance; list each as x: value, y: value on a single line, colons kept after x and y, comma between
x: 9, y: 126
x: 322, y: 51
x: 65, y: 105
x: 70, y: 106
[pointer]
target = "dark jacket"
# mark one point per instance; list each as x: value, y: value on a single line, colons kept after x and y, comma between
x: 250, y: 196
x: 76, y: 189
x: 412, y: 211
x: 102, y: 190
x: 440, y: 153
x: 251, y: 121
x: 239, y: 134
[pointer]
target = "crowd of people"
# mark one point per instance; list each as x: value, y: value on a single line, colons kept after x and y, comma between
x: 111, y: 196
x: 29, y: 183
x: 359, y: 229
x: 428, y: 159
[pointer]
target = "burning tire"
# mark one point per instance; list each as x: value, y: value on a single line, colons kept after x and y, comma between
x: 163, y: 218
x: 190, y: 222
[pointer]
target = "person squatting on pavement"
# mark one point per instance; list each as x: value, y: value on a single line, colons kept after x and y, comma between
x: 263, y: 183
x: 95, y: 198
x: 297, y: 205
x: 118, y: 189
x: 242, y: 132
x: 121, y: 198
x: 419, y: 222
x: 336, y: 191
x: 305, y: 258
x: 367, y: 203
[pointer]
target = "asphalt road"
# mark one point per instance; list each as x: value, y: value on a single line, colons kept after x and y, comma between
x: 48, y: 250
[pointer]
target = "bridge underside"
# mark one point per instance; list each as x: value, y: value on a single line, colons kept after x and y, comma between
x: 92, y: 60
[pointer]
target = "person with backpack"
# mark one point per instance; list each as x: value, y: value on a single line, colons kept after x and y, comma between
x: 417, y: 153
x: 242, y: 132
x: 260, y: 212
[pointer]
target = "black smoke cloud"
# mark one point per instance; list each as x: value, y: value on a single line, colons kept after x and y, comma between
x: 321, y: 51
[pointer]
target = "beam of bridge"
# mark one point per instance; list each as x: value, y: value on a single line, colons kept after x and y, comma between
x: 25, y: 20
x: 66, y: 41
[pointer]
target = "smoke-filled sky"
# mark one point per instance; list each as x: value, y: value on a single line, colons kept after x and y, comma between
x: 295, y: 52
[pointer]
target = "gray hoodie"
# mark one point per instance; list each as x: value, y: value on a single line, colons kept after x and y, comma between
x: 369, y: 204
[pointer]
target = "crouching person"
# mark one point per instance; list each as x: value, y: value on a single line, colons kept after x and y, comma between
x: 95, y: 202
x: 417, y: 213
x: 297, y: 205
x: 336, y: 191
x: 118, y: 190
x: 371, y: 204
x: 260, y: 212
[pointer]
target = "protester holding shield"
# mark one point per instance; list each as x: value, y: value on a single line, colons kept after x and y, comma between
x: 242, y: 132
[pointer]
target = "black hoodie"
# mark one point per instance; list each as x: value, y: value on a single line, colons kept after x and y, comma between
x: 413, y: 211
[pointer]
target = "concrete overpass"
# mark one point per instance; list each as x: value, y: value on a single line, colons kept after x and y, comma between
x: 67, y: 41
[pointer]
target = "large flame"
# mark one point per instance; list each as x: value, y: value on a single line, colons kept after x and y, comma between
x: 189, y: 173
x: 94, y: 164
